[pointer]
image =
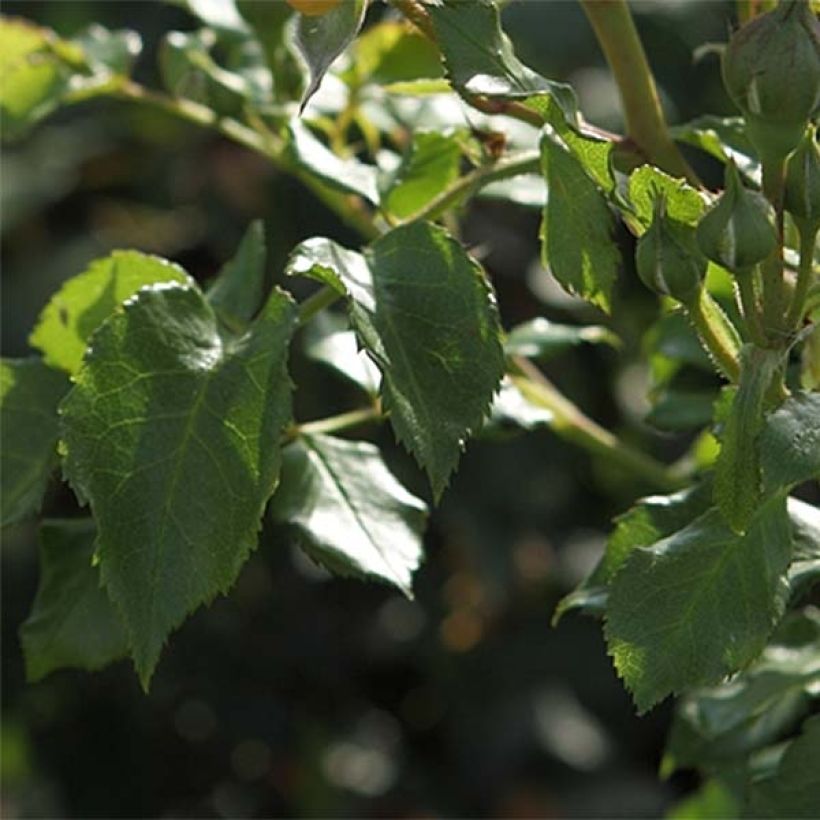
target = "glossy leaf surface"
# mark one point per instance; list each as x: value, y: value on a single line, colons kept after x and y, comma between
x: 352, y: 515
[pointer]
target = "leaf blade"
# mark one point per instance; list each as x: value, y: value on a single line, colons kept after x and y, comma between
x: 172, y: 434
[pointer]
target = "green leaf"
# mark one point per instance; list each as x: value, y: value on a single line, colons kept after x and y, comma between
x: 715, y: 726
x: 339, y: 350
x: 352, y: 514
x: 72, y: 622
x: 699, y: 604
x: 29, y: 395
x: 712, y: 801
x: 221, y: 15
x: 425, y: 312
x: 346, y: 175
x: 188, y: 70
x: 320, y: 40
x: 429, y: 165
x: 804, y: 571
x: 676, y: 408
x: 392, y: 52
x: 39, y: 71
x: 722, y: 137
x: 542, y: 339
x: 683, y: 203
x: 480, y: 60
x: 85, y: 301
x: 790, y: 442
x: 269, y: 22
x: 650, y: 520
x: 737, y: 471
x: 578, y: 246
x: 32, y: 79
x: 794, y: 790
x: 172, y: 433
x: 238, y: 291
x: 109, y: 52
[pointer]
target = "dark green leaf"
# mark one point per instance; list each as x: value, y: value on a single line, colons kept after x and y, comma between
x: 347, y: 175
x: 238, y: 291
x: 790, y: 443
x: 804, y: 571
x: 650, y: 520
x: 737, y: 471
x: 172, y: 433
x: 322, y: 39
x: 722, y: 137
x: 794, y: 790
x: 352, y: 514
x: 578, y: 245
x: 430, y: 164
x: 542, y: 339
x: 681, y: 409
x: 698, y: 605
x: 29, y: 395
x: 85, y: 301
x: 72, y: 622
x: 716, y: 725
x: 480, y: 59
x: 425, y: 312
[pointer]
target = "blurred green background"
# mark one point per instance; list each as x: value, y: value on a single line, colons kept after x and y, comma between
x: 301, y: 695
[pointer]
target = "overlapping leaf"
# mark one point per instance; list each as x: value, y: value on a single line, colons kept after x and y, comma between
x: 238, y: 291
x: 85, y: 301
x: 172, y: 433
x: 346, y: 175
x: 480, y: 59
x: 794, y: 789
x: 29, y: 395
x: 699, y: 604
x: 424, y: 311
x: 715, y: 725
x: 790, y: 442
x: 72, y: 622
x: 322, y: 39
x: 577, y: 228
x: 352, y: 514
x: 430, y: 164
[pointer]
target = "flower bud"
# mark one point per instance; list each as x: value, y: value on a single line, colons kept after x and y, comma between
x: 771, y: 69
x: 667, y: 258
x: 802, y: 194
x: 739, y: 230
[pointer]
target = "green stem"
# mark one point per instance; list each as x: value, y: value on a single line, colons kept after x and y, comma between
x: 334, y: 424
x: 751, y: 310
x: 317, y: 302
x: 569, y: 422
x: 716, y: 332
x: 615, y: 29
x: 774, y: 170
x: 527, y: 162
x: 805, y: 276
